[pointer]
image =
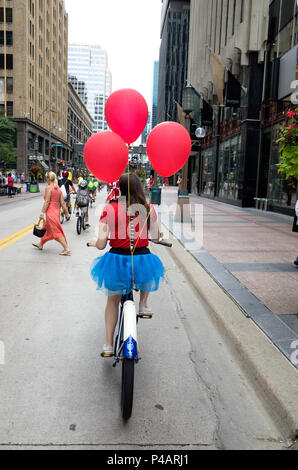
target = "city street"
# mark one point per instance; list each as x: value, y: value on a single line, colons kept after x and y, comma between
x: 57, y: 392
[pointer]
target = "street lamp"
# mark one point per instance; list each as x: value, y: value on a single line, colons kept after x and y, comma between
x: 200, y: 134
x: 188, y: 105
x: 183, y: 209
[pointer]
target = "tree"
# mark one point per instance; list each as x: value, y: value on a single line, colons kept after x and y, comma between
x: 7, y: 149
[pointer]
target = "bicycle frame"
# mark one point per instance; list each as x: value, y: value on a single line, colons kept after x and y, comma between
x: 127, y: 344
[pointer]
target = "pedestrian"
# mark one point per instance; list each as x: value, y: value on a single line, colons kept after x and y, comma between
x: 115, y: 273
x: 51, y: 212
x: 179, y: 183
x: 9, y: 185
x: 291, y: 188
x: 295, y: 227
x: 22, y: 178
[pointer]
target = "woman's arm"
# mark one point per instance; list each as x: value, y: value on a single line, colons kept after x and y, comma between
x: 64, y: 206
x: 154, y: 231
x: 47, y: 201
x: 101, y: 242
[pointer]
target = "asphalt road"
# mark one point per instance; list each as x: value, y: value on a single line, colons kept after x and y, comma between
x: 57, y: 392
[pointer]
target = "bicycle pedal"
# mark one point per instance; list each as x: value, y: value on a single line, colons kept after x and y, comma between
x: 106, y: 355
x: 144, y: 316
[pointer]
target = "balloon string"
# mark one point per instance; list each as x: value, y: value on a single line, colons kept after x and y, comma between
x: 131, y: 245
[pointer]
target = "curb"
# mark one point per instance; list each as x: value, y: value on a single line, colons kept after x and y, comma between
x: 275, y: 379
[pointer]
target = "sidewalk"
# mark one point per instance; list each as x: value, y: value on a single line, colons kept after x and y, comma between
x: 250, y: 254
x: 23, y: 196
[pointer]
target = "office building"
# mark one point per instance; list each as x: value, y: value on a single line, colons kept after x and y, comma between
x: 281, y: 72
x: 154, y: 95
x: 33, y: 77
x: 236, y: 32
x: 79, y: 129
x: 89, y: 73
x: 173, y: 57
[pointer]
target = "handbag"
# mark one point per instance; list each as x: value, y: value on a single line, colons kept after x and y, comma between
x: 39, y: 229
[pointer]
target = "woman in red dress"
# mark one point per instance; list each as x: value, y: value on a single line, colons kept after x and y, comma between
x: 53, y: 199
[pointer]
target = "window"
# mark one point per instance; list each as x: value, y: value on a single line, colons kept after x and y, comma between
x: 9, y: 85
x: 227, y: 21
x: 242, y: 11
x: 9, y: 61
x: 8, y: 14
x: 9, y: 108
x: 234, y: 17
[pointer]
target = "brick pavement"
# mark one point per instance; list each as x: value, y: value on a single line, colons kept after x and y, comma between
x: 258, y: 248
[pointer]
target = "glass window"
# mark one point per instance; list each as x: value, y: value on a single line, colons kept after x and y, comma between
x: 285, y: 36
x: 287, y: 12
x: 207, y: 173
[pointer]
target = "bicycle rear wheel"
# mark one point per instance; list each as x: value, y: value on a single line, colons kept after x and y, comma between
x: 127, y: 387
x: 79, y: 224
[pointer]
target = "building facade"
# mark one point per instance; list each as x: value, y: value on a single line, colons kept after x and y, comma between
x: 173, y: 57
x: 79, y: 129
x: 33, y: 77
x: 281, y: 60
x: 236, y: 31
x: 89, y: 73
x: 155, y: 95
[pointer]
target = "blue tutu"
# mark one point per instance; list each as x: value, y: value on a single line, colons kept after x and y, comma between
x: 113, y: 273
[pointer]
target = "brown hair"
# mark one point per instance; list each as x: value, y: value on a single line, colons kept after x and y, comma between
x: 131, y: 183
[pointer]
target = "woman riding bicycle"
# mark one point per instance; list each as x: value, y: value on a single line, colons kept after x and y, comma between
x: 127, y: 223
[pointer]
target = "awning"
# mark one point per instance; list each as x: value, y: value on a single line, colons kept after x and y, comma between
x: 44, y: 165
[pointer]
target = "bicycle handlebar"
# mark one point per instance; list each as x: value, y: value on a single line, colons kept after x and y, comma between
x: 160, y: 242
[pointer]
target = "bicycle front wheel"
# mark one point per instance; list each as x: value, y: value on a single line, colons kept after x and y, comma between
x: 127, y: 387
x: 79, y: 225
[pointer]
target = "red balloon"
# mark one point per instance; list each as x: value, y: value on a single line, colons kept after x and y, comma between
x: 126, y: 113
x: 106, y: 156
x: 168, y: 148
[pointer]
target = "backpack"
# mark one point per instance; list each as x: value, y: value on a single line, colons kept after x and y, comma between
x: 82, y: 198
x: 64, y: 192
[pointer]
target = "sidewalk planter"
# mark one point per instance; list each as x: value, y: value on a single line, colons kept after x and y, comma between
x: 155, y: 195
x: 183, y: 209
x: 33, y: 188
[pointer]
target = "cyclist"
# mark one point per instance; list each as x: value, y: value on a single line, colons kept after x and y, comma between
x: 67, y: 184
x: 91, y: 189
x: 82, y: 200
x: 125, y: 221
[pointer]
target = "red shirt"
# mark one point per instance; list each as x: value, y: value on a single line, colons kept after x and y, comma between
x: 9, y: 181
x: 115, y: 216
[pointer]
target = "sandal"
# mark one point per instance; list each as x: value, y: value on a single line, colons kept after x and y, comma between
x: 65, y: 253
x: 36, y: 246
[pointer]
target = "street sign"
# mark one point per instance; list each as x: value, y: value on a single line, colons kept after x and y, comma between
x: 36, y: 157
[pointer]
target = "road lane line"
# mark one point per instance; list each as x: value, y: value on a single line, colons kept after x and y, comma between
x: 16, y: 234
x: 15, y: 239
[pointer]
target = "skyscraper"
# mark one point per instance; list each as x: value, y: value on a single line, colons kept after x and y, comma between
x: 89, y: 65
x: 155, y: 94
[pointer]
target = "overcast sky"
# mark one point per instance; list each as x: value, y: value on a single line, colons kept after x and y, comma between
x: 129, y: 31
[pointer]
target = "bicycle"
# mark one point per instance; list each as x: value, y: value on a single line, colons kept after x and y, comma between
x: 80, y: 220
x: 126, y: 346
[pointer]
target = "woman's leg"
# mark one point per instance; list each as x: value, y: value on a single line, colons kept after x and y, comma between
x: 144, y: 298
x: 63, y: 242
x: 111, y: 317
